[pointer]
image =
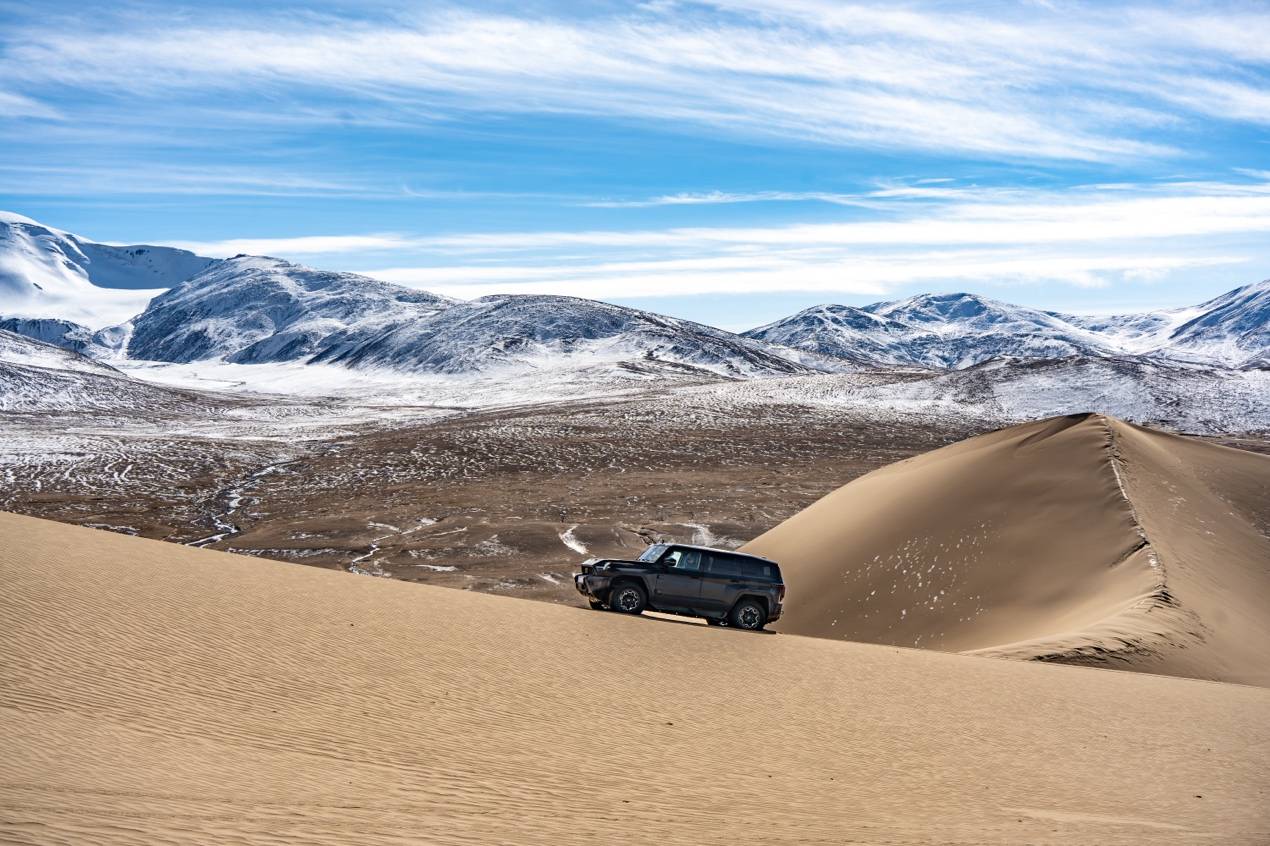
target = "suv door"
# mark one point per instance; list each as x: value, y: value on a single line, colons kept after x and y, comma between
x: 722, y: 583
x: 679, y: 580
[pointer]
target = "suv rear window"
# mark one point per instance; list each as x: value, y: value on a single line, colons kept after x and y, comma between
x: 758, y: 570
x: 724, y: 565
x: 747, y: 568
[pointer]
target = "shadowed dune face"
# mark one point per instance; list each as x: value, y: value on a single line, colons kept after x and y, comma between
x: 153, y: 693
x: 1056, y: 540
x: 1206, y: 511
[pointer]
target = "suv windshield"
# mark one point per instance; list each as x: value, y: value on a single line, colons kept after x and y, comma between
x: 653, y: 552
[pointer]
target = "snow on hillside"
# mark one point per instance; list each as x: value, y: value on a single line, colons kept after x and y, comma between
x: 104, y: 344
x: 1190, y: 398
x: 47, y: 273
x: 1233, y: 329
x: 542, y: 332
x: 957, y: 331
x: 349, y: 348
x: 19, y: 349
x: 39, y: 377
x: 252, y: 309
x: 843, y: 332
x: 1134, y: 334
x: 932, y: 330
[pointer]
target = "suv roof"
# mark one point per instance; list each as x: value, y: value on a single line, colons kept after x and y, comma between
x: 716, y: 549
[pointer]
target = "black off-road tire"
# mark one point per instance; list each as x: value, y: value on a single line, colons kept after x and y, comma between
x: 628, y: 598
x: 596, y: 605
x: 748, y: 614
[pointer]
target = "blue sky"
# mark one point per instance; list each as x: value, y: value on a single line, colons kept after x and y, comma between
x: 730, y: 162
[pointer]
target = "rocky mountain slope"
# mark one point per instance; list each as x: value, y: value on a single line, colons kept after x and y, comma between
x: 48, y: 273
x: 963, y: 330
x: 251, y: 309
x: 42, y: 378
x: 1233, y: 329
x: 540, y: 331
x: 104, y: 343
x: 98, y: 300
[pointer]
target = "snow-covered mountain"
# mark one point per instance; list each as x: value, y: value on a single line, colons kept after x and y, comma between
x: 539, y: 331
x: 956, y: 331
x: 48, y: 273
x: 102, y: 344
x: 251, y: 309
x: 1233, y: 329
x: 931, y: 330
x: 111, y: 303
x: 42, y: 378
x: 28, y: 352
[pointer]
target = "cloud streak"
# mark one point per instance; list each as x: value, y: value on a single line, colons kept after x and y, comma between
x: 1201, y: 210
x: 1095, y: 84
x: 1088, y: 238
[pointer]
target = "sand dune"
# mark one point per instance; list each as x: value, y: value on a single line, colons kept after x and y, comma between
x: 152, y: 693
x: 1082, y: 539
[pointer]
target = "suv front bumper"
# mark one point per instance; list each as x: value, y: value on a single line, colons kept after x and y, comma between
x: 592, y: 585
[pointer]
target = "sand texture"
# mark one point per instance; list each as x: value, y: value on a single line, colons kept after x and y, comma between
x: 153, y: 694
x: 1081, y: 539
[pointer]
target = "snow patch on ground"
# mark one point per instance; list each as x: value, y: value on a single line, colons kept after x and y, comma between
x: 568, y: 539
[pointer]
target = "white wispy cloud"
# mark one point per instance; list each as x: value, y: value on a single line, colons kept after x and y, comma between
x: 928, y: 190
x: 18, y: 106
x: 1089, y: 238
x: 303, y: 246
x: 863, y: 275
x: 1089, y: 219
x: 153, y: 178
x: 1091, y: 84
x: 711, y: 198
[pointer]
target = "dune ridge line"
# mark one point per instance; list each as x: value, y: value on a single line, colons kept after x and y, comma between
x: 1080, y: 539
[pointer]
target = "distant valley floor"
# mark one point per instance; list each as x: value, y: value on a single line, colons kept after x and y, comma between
x: 504, y: 501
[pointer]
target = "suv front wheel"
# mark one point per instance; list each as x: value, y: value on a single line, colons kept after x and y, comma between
x: 748, y: 614
x: 628, y: 598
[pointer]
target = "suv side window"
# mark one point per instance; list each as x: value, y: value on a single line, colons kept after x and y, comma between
x: 684, y: 559
x: 724, y: 566
x: 757, y: 570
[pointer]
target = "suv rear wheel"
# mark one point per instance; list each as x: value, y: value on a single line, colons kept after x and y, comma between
x: 628, y: 598
x: 748, y: 614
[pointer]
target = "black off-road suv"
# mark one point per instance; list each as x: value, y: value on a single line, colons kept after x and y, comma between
x: 724, y: 587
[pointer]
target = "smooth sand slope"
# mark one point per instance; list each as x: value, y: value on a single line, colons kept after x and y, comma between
x: 1081, y: 539
x: 151, y: 694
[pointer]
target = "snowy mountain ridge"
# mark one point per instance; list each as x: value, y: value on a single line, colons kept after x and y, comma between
x: 167, y: 305
x: 956, y: 331
x: 250, y: 309
x: 48, y: 273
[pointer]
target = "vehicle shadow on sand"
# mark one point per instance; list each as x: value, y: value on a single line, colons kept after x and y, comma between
x: 696, y: 621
